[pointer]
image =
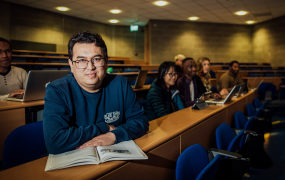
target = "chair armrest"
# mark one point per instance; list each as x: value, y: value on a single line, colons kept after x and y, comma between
x: 259, y: 118
x: 236, y: 131
x: 224, y: 153
x: 250, y: 132
x: 266, y: 110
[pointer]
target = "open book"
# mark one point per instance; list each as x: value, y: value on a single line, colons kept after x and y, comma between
x: 127, y: 150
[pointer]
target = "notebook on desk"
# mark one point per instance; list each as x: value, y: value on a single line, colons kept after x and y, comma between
x: 140, y: 79
x: 234, y: 90
x: 37, y: 83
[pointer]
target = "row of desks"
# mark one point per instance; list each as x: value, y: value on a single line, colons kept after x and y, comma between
x: 168, y: 136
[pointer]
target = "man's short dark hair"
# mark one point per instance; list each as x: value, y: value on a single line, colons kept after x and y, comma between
x: 5, y: 40
x: 232, y: 63
x: 186, y: 59
x: 86, y: 37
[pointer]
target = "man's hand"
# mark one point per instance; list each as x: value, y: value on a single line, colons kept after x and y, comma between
x: 101, y: 140
x: 111, y: 127
x: 16, y: 92
x: 224, y: 92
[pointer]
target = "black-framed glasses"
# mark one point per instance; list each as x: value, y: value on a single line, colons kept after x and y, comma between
x: 83, y: 63
x: 172, y: 74
x: 7, y: 51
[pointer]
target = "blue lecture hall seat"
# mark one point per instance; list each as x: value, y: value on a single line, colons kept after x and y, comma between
x: 226, y: 140
x: 133, y: 82
x: 24, y: 144
x: 194, y: 164
x: 149, y: 81
x: 213, y: 74
x: 143, y: 103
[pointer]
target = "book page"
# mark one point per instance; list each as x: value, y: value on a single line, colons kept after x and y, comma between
x: 121, y: 151
x: 72, y: 158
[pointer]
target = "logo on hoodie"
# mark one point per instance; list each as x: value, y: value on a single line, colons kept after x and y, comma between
x: 112, y: 116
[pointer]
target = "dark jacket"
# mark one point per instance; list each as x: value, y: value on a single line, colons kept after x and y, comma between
x: 74, y: 116
x: 159, y: 102
x: 184, y: 89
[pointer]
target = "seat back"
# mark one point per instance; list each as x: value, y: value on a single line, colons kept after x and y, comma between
x: 143, y: 103
x: 257, y: 103
x: 250, y: 110
x: 24, y: 144
x: 214, y: 89
x: 240, y: 120
x: 234, y: 146
x: 191, y: 162
x: 248, y: 126
x: 224, y: 136
x: 210, y: 171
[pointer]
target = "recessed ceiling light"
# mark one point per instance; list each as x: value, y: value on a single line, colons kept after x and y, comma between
x: 113, y: 21
x: 193, y: 18
x: 160, y: 3
x: 241, y: 13
x: 115, y: 11
x: 62, y: 8
x: 250, y: 22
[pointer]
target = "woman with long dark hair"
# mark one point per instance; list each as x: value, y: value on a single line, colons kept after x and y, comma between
x: 163, y: 97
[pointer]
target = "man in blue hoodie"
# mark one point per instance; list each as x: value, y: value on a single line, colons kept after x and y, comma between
x: 90, y: 108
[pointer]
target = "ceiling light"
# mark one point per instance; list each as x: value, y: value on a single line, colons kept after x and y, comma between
x: 241, y: 13
x: 160, y: 3
x: 62, y: 8
x: 250, y: 22
x: 113, y: 21
x: 193, y: 18
x: 115, y: 11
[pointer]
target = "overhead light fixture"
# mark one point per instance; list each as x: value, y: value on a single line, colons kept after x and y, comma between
x: 115, y: 11
x: 241, y: 13
x: 250, y: 22
x: 160, y: 3
x: 113, y: 21
x: 194, y: 18
x: 62, y: 8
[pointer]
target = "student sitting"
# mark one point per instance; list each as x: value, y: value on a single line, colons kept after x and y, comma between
x: 203, y: 71
x: 12, y: 79
x: 230, y: 78
x: 178, y: 62
x: 189, y: 85
x: 90, y: 108
x: 162, y: 97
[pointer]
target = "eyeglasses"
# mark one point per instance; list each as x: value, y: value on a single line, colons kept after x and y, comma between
x: 172, y: 74
x: 83, y: 63
x: 7, y: 51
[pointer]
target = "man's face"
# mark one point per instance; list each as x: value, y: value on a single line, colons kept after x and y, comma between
x: 91, y: 77
x: 189, y: 68
x: 5, y: 55
x: 234, y: 68
x: 178, y: 62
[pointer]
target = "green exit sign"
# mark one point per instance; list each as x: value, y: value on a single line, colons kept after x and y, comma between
x: 134, y: 27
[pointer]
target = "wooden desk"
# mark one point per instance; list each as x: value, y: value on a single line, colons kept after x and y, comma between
x: 254, y: 81
x: 144, y: 88
x: 168, y: 136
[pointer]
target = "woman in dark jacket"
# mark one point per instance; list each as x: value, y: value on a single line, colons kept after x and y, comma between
x: 163, y: 97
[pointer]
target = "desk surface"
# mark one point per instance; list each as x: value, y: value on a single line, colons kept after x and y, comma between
x: 6, y: 105
x: 161, y: 130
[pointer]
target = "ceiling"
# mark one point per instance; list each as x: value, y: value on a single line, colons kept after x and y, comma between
x: 140, y: 11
